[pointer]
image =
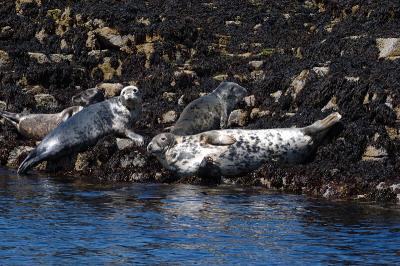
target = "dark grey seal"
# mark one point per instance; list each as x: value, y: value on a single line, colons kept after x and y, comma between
x: 210, y: 111
x: 88, y: 97
x: 114, y: 116
x: 37, y: 126
x: 233, y: 152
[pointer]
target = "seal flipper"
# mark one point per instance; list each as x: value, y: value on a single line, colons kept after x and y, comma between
x: 30, y: 161
x: 11, y: 117
x: 322, y: 126
x: 67, y: 113
x: 216, y: 138
x: 208, y: 168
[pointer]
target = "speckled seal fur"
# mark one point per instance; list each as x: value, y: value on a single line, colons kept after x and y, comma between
x: 114, y: 116
x: 88, y: 97
x: 37, y: 126
x: 237, y: 151
x: 210, y: 111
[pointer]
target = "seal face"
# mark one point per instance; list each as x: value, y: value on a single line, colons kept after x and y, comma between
x: 37, y: 126
x: 210, y: 111
x: 233, y: 152
x: 88, y: 97
x: 113, y: 116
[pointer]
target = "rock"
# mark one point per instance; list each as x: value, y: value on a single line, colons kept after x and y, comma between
x: 189, y: 73
x: 234, y: 23
x: 113, y: 38
x: 256, y: 65
x: 257, y: 26
x: 168, y: 117
x: 221, y: 77
x: 397, y: 111
x: 34, y: 89
x: 82, y: 162
x: 238, y: 117
x: 39, y: 57
x: 148, y: 50
x: 389, y: 48
x: 138, y: 177
x: 64, y: 45
x: 321, y: 71
x: 4, y: 58
x: 332, y: 104
x: 250, y: 100
x: 169, y: 96
x: 97, y: 53
x: 395, y: 188
x: 298, y: 83
x: 258, y: 113
x: 124, y: 143
x: 110, y: 89
x: 276, y: 95
x: 57, y: 58
x: 46, y: 101
x: 19, y: 4
x: 352, y: 79
x: 181, y: 100
x: 108, y: 71
x: 16, y: 155
x: 41, y: 35
x: 374, y: 154
x: 134, y: 159
x: 257, y: 75
x: 3, y: 106
x: 393, y: 133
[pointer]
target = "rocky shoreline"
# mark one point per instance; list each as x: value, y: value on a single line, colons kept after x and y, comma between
x: 300, y: 61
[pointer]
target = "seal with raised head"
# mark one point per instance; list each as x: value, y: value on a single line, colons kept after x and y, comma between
x: 114, y: 116
x: 88, y: 97
x: 210, y: 111
x: 233, y: 152
x: 37, y: 126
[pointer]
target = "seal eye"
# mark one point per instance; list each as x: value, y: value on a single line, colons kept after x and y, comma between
x: 163, y: 138
x: 135, y: 90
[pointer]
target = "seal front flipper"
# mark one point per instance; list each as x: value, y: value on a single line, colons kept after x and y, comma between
x: 138, y: 139
x: 208, y: 168
x: 216, y: 138
x: 67, y: 113
x: 11, y: 117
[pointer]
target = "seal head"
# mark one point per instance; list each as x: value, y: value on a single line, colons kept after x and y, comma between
x: 131, y: 97
x: 161, y: 143
x: 231, y: 93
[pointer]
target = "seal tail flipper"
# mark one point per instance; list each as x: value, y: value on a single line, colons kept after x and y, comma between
x: 11, y: 117
x: 322, y: 126
x: 30, y: 161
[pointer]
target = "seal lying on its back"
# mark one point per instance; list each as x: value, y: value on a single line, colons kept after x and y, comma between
x: 237, y: 151
x: 37, y: 126
x: 210, y: 111
x: 84, y: 129
x: 88, y: 97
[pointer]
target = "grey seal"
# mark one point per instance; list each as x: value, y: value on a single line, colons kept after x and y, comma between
x: 37, y: 126
x: 88, y: 97
x: 233, y: 152
x: 114, y: 116
x: 210, y: 111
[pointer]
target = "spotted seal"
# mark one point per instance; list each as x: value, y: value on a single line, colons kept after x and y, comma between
x: 113, y: 116
x: 37, y: 126
x: 88, y: 97
x: 233, y: 152
x: 210, y: 111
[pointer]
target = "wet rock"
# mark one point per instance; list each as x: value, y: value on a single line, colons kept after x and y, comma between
x: 110, y: 89
x: 321, y: 71
x: 276, y: 95
x: 257, y: 75
x: 221, y: 77
x: 108, y: 70
x: 250, y: 100
x: 395, y: 188
x: 138, y: 177
x: 238, y: 117
x: 4, y: 59
x: 298, y: 83
x: 124, y: 143
x: 3, y: 106
x: 389, y: 48
x: 169, y: 96
x: 256, y: 65
x: 46, y: 101
x: 19, y: 4
x: 82, y: 162
x: 168, y: 117
x: 134, y: 159
x: 374, y: 154
x: 16, y: 156
x: 258, y: 113
x: 331, y: 105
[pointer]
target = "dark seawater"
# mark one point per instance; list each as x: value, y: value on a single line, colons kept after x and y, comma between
x: 47, y: 220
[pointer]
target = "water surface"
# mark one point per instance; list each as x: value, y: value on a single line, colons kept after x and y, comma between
x: 64, y: 221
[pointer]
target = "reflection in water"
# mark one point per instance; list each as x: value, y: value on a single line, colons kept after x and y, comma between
x: 65, y: 221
